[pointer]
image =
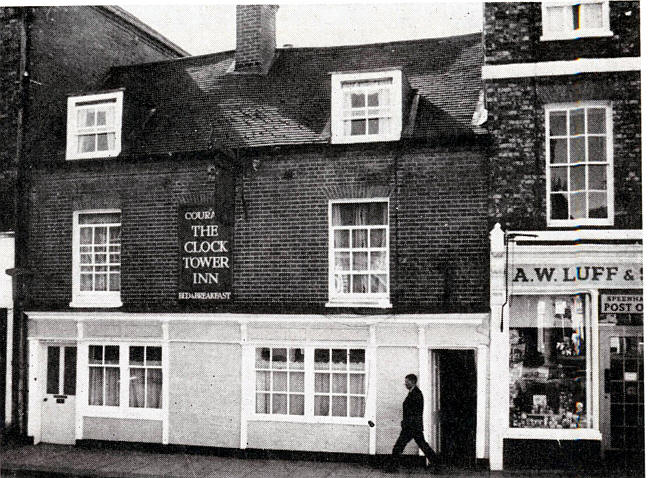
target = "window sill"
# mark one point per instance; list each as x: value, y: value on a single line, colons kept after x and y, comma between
x: 561, y: 36
x: 365, y: 139
x: 124, y: 413
x: 553, y: 434
x: 579, y: 222
x: 95, y: 155
x: 359, y: 421
x: 96, y: 301
x: 360, y: 303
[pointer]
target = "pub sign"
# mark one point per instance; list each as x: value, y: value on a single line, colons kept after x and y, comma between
x: 205, y: 255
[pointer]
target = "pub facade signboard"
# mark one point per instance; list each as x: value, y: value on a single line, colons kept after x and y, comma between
x: 205, y: 255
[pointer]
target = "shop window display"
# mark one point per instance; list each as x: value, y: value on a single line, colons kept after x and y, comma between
x: 548, y: 362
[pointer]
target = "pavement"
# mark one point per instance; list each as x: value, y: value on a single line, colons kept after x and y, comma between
x: 44, y: 460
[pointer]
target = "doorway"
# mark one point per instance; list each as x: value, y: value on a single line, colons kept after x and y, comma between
x: 58, y: 404
x: 454, y: 406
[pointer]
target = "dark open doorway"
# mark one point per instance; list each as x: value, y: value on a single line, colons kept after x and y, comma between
x: 457, y: 406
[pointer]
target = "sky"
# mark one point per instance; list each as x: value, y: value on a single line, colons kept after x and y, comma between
x: 203, y: 29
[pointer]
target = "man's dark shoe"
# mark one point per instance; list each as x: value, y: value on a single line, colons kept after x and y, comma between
x: 390, y: 469
x: 433, y: 468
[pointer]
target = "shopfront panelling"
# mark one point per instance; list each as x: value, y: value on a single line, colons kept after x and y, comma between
x: 402, y: 334
x: 325, y: 437
x: 119, y: 429
x: 455, y: 336
x: 393, y: 364
x: 274, y: 333
x: 204, y: 394
x: 347, y: 332
x: 52, y: 328
x: 204, y: 330
x: 120, y: 329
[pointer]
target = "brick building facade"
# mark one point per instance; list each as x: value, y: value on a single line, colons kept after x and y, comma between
x: 563, y: 93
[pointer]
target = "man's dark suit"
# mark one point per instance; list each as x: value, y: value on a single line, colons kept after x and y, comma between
x: 412, y: 427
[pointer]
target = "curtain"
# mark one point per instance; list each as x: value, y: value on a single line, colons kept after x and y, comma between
x: 96, y: 386
x: 136, y: 388
x: 360, y: 214
x: 112, y: 386
x: 154, y: 388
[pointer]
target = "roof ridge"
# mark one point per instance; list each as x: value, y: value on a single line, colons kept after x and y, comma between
x: 224, y: 54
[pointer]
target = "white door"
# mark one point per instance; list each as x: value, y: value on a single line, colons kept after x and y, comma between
x: 58, y: 406
x: 435, y: 402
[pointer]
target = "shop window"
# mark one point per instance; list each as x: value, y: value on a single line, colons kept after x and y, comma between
x: 339, y: 382
x: 280, y: 381
x: 366, y: 106
x: 550, y: 365
x: 579, y: 164
x: 104, y: 375
x: 94, y: 125
x: 564, y: 20
x: 96, y: 259
x: 145, y: 384
x: 359, y: 254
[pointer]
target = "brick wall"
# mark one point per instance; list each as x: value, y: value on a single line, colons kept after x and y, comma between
x: 517, y: 166
x: 438, y: 231
x: 512, y: 32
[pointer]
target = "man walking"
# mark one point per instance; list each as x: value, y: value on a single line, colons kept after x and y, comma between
x: 412, y: 426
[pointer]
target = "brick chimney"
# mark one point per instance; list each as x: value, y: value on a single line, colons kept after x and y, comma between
x: 255, y: 38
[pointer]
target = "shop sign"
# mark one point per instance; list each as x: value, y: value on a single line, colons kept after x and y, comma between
x: 578, y: 276
x: 621, y: 303
x: 205, y: 256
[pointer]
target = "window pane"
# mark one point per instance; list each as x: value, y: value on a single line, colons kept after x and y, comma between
x: 357, y: 359
x: 86, y: 143
x: 112, y: 386
x: 559, y: 180
x: 102, y: 142
x: 339, y: 406
x: 378, y: 261
x: 114, y: 235
x: 357, y: 383
x: 322, y: 382
x: 598, y: 205
x: 376, y: 213
x: 136, y: 355
x: 101, y: 118
x: 360, y: 238
x: 53, y: 370
x: 100, y: 282
x: 154, y: 356
x: 114, y: 282
x: 100, y: 258
x: 321, y: 405
x: 378, y: 283
x: 86, y: 282
x: 279, y: 403
x: 592, y: 15
x: 377, y: 238
x: 86, y: 118
x: 358, y: 127
x: 342, y: 238
x: 339, y: 359
x: 577, y: 149
x: 263, y: 357
x: 559, y: 206
x: 597, y: 149
x: 342, y: 284
x: 112, y: 354
x: 558, y: 151
x: 279, y: 358
x: 577, y: 178
x: 597, y: 177
x: 360, y: 261
x: 340, y: 383
x: 575, y: 13
x: 596, y: 120
x: 96, y: 386
x: 86, y: 259
x: 136, y: 388
x: 578, y: 205
x: 263, y: 381
x: 296, y: 359
x: 341, y: 261
x: 100, y: 235
x: 95, y: 354
x: 557, y: 123
x: 373, y: 99
x: 297, y: 382
x: 373, y: 126
x: 70, y: 371
x: 357, y: 406
x: 154, y: 388
x: 358, y: 100
x: 85, y: 235
x: 262, y: 403
x: 296, y: 405
x: 279, y: 381
x: 321, y: 359
x: 360, y: 284
x: 577, y: 121
x: 344, y: 214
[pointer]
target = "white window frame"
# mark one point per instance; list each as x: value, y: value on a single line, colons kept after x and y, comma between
x: 109, y: 299
x: 376, y: 300
x: 287, y: 393
x: 309, y: 389
x: 146, y: 367
x: 337, y: 106
x: 549, y: 35
x: 123, y: 410
x: 609, y: 220
x: 77, y: 102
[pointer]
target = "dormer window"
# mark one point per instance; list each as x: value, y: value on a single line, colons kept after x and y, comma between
x: 366, y: 107
x: 570, y: 20
x: 94, y: 125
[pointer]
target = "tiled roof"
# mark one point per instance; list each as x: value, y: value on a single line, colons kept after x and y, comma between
x: 197, y: 103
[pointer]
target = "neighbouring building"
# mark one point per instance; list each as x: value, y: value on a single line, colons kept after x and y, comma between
x: 562, y: 84
x: 46, y: 53
x: 251, y: 249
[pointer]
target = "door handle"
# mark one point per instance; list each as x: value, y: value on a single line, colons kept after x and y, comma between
x: 45, y: 399
x: 608, y: 377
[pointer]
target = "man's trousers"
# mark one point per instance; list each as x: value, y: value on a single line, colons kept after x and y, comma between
x: 406, y: 436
